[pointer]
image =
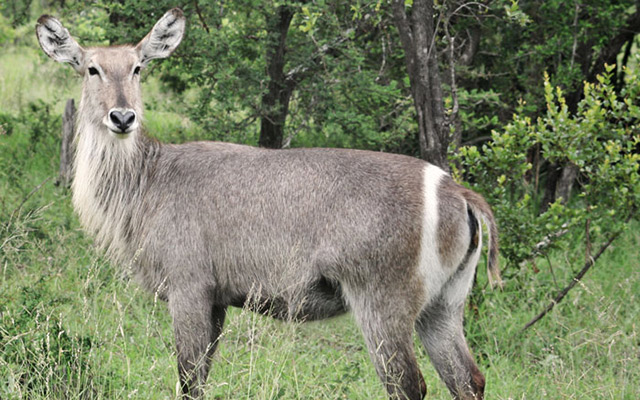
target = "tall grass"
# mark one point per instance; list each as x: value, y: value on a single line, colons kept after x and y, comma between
x: 588, y: 347
x: 26, y: 76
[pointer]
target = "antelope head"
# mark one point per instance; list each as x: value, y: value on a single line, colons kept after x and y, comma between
x: 111, y: 96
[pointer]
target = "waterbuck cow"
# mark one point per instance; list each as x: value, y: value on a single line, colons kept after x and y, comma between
x: 300, y: 234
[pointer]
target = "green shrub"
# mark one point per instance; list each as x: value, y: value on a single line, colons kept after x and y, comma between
x: 600, y: 140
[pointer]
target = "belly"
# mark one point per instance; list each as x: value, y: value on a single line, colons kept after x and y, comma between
x: 317, y: 300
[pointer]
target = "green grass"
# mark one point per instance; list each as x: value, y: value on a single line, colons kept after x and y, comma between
x: 72, y: 326
x: 588, y: 347
x: 26, y: 76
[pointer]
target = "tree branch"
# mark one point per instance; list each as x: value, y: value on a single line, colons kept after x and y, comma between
x: 199, y: 12
x: 610, y: 52
x: 560, y: 296
x: 404, y: 31
x: 451, y: 118
x: 300, y: 71
x: 574, y: 47
x: 467, y: 56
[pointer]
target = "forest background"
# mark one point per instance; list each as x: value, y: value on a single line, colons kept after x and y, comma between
x: 534, y: 104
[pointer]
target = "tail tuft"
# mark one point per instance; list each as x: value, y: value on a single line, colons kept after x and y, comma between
x: 482, y: 209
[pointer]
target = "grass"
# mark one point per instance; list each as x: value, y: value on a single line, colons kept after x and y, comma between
x: 73, y: 326
x: 26, y: 76
x: 587, y: 348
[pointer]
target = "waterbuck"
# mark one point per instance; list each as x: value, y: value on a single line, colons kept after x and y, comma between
x: 300, y: 234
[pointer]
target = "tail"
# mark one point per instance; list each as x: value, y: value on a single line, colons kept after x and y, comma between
x: 482, y: 210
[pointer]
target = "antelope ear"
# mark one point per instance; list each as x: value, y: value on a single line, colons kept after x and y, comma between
x: 163, y: 38
x: 58, y: 44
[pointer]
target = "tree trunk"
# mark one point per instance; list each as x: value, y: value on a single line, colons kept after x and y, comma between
x: 417, y: 34
x: 65, y: 174
x: 560, y: 180
x: 565, y: 183
x: 275, y: 102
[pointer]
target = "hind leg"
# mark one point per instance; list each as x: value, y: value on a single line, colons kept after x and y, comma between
x: 387, y: 330
x: 441, y: 333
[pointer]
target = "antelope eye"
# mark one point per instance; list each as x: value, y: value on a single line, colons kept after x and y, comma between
x: 93, y: 71
x: 136, y: 71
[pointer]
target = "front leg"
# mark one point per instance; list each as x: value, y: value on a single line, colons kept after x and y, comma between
x: 197, y: 324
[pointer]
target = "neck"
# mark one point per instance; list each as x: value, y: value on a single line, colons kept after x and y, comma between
x: 110, y: 175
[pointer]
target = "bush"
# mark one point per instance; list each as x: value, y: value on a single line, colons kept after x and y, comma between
x: 600, y: 141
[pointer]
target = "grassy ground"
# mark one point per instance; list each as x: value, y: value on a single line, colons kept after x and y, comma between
x: 73, y: 326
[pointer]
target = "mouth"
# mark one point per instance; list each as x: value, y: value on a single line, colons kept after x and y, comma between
x: 119, y: 132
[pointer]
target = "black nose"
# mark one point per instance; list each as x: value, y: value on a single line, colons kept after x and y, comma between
x: 122, y: 121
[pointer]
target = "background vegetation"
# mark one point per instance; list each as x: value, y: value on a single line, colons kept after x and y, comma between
x: 539, y: 110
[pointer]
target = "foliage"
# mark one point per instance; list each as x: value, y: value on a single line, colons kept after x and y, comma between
x: 564, y: 38
x: 599, y: 140
x: 6, y: 31
x: 16, y: 10
x: 30, y: 136
x: 221, y: 64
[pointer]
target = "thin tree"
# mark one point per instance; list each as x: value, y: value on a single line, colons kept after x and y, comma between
x: 275, y: 102
x: 418, y: 33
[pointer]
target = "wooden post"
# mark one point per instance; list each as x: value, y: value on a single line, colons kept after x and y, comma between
x: 66, y: 147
